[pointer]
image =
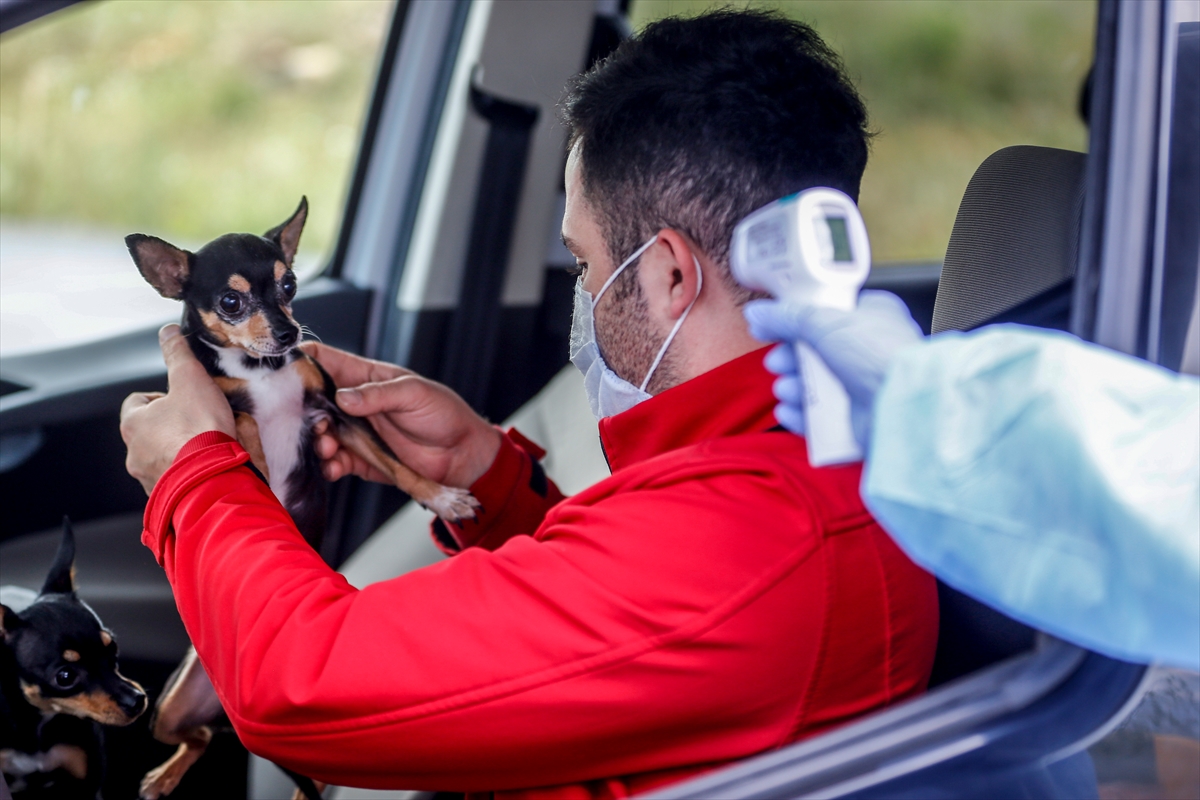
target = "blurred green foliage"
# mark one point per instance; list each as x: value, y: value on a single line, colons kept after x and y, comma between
x: 187, y: 119
x: 947, y: 83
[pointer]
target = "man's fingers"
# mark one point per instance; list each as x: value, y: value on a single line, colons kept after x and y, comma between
x: 341, y: 366
x: 335, y: 461
x: 343, y: 464
x: 333, y: 469
x: 326, y: 446
x: 137, y: 400
x: 321, y: 352
x: 401, y: 394
x: 177, y: 354
x: 347, y: 369
x: 170, y: 339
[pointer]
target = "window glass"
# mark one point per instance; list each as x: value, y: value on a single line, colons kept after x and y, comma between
x: 179, y: 119
x: 1155, y: 751
x: 946, y: 85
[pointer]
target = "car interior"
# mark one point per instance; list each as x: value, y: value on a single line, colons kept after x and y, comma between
x: 448, y: 261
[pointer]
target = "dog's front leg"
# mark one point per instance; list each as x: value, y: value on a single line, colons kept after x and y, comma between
x: 248, y: 438
x: 182, y: 716
x: 447, y: 502
x: 298, y: 794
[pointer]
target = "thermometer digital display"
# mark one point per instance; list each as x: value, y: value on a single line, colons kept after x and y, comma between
x: 840, y: 240
x: 810, y: 248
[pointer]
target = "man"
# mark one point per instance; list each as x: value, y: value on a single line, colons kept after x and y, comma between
x: 714, y: 598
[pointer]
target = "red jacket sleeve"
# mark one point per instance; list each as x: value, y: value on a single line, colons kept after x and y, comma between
x: 514, y: 495
x: 494, y: 669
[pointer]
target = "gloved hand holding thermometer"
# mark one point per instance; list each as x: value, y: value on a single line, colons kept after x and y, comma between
x: 810, y: 249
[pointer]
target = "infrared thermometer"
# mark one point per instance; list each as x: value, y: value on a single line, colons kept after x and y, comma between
x: 810, y: 248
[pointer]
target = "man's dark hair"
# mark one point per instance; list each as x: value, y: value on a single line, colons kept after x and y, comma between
x: 694, y: 123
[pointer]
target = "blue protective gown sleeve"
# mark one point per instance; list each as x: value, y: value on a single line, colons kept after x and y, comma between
x: 1055, y: 480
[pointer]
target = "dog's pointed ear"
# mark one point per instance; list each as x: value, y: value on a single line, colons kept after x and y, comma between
x: 287, y: 234
x: 9, y: 621
x: 162, y: 264
x: 61, y: 579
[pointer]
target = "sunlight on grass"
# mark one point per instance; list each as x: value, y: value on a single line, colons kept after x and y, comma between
x: 946, y: 84
x: 187, y: 119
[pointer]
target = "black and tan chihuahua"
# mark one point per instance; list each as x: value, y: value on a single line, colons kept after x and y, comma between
x: 59, y: 676
x: 237, y: 292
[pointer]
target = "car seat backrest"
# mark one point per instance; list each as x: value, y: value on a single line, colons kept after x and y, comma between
x: 1014, y: 243
x: 1016, y: 235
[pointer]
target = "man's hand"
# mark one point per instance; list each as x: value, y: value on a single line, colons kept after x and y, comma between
x: 155, y: 425
x: 427, y: 425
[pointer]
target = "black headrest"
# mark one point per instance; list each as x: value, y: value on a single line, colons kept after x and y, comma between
x: 1016, y: 234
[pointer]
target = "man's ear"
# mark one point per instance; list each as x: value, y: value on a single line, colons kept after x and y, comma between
x: 162, y: 264
x: 679, y: 266
x: 9, y: 621
x: 287, y: 234
x: 61, y: 579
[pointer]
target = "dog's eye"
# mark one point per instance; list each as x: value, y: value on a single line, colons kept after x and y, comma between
x: 65, y: 678
x: 288, y: 285
x: 231, y: 303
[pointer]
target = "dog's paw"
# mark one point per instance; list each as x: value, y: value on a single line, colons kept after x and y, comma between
x: 162, y: 780
x: 453, y: 505
x: 18, y: 764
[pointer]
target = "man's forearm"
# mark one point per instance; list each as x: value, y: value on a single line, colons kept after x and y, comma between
x: 304, y: 664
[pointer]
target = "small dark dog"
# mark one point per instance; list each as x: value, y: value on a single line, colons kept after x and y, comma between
x: 58, y: 673
x: 237, y: 292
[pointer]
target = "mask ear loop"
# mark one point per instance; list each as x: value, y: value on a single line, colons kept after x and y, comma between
x: 620, y: 269
x: 662, y: 351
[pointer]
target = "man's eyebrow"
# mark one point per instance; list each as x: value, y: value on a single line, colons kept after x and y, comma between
x: 568, y: 242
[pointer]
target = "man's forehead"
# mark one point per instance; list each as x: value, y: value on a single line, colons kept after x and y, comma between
x: 572, y: 168
x: 578, y: 226
x: 572, y: 180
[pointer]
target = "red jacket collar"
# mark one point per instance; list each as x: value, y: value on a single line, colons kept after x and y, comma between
x: 734, y: 398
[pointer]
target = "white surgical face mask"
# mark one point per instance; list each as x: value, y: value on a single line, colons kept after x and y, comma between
x: 608, y: 393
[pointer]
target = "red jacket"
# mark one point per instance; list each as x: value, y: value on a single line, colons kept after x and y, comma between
x: 714, y: 598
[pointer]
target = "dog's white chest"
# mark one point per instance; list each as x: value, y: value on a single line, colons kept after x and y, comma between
x: 278, y: 401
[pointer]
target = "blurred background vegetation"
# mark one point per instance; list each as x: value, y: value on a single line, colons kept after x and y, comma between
x: 946, y: 85
x: 190, y: 119
x: 187, y: 119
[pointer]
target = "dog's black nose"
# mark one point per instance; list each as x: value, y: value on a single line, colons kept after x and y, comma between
x: 133, y: 702
x: 287, y: 337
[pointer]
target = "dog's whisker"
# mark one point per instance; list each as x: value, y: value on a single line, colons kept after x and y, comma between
x: 306, y: 334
